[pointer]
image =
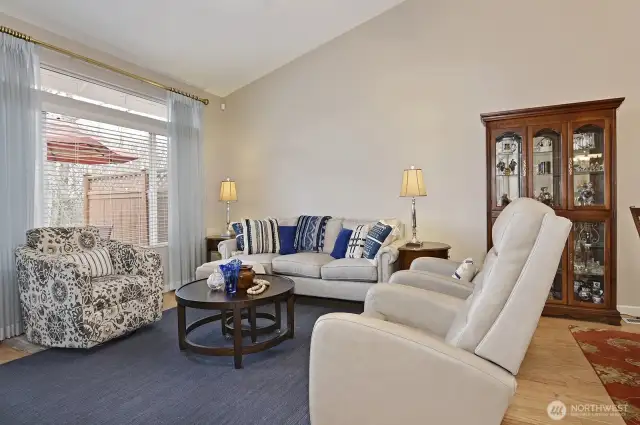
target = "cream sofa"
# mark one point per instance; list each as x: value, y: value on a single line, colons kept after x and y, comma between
x: 418, y: 356
x: 318, y: 274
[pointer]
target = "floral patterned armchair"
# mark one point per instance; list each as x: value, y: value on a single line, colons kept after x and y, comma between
x: 63, y: 306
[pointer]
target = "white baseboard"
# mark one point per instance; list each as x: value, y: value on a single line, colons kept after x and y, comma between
x: 631, y: 310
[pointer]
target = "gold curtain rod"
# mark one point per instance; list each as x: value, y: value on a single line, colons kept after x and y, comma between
x: 28, y: 38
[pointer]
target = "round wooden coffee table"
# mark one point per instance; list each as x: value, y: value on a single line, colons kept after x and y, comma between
x: 198, y: 295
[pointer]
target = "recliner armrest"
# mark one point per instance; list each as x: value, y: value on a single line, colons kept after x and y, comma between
x: 427, y: 310
x: 433, y: 282
x: 367, y: 371
x: 435, y: 265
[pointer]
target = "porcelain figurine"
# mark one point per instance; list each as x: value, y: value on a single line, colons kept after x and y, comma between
x: 585, y: 194
x: 545, y: 196
x: 512, y: 165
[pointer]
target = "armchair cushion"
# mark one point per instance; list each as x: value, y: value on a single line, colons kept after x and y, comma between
x: 64, y: 240
x: 109, y: 291
x: 97, y: 260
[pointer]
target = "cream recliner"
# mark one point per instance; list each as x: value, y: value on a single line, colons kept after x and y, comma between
x: 417, y: 356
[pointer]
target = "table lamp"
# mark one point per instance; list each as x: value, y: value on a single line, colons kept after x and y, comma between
x: 228, y: 194
x: 412, y: 186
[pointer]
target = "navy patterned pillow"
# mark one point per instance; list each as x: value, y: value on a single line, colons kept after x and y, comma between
x: 375, y: 238
x: 310, y: 233
x: 237, y: 229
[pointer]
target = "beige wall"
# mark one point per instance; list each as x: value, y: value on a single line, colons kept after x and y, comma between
x: 332, y: 131
x: 213, y: 140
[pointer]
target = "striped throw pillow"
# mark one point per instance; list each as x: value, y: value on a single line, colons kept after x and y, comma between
x: 355, y: 248
x: 98, y: 260
x: 261, y: 236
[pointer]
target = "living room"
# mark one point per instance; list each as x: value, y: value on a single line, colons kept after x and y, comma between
x: 320, y: 109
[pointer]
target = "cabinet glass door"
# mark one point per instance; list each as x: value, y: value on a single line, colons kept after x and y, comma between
x: 588, y: 263
x: 558, y: 290
x: 589, y: 165
x: 546, y: 177
x: 509, y: 166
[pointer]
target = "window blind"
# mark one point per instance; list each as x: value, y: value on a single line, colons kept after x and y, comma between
x: 98, y: 173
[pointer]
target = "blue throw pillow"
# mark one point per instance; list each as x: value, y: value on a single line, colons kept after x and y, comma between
x: 287, y: 239
x: 237, y: 229
x: 376, y: 236
x: 310, y: 233
x: 340, y: 248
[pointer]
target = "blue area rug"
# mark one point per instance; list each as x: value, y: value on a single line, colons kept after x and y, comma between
x: 145, y: 379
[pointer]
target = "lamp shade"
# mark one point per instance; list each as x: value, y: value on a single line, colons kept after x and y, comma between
x: 228, y: 191
x: 413, y: 183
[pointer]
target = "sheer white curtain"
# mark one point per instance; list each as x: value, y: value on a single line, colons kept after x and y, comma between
x: 186, y: 189
x: 19, y: 117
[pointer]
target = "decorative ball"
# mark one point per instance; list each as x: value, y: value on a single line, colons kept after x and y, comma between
x: 216, y: 280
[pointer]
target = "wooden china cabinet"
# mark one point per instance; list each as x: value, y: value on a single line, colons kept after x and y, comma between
x: 564, y: 156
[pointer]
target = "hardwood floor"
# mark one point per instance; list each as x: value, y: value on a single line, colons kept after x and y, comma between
x: 554, y: 368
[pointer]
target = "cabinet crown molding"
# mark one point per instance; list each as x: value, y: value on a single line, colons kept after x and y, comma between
x: 564, y: 108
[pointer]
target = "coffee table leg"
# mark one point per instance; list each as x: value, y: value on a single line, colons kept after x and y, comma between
x: 237, y: 337
x: 290, y: 316
x: 252, y: 323
x: 278, y: 315
x: 182, y: 328
x: 223, y: 321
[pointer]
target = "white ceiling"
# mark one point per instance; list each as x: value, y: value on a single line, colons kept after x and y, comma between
x: 216, y: 45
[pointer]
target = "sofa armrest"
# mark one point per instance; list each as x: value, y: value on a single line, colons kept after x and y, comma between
x: 433, y: 282
x: 387, y: 260
x: 226, y: 248
x: 435, y: 265
x: 136, y: 260
x: 392, y: 374
x: 427, y: 310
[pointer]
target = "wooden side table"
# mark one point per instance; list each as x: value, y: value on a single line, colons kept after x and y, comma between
x: 212, y: 244
x: 428, y: 249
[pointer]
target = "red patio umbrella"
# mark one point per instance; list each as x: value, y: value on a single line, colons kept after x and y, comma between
x: 83, y: 150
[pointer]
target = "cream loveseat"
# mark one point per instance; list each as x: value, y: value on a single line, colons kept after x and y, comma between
x: 318, y: 274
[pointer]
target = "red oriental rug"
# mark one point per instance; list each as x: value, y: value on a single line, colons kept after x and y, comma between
x: 615, y: 357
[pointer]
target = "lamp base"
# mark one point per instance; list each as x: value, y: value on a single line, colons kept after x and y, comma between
x: 414, y: 245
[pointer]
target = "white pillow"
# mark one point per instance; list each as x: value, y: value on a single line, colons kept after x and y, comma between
x: 331, y: 232
x: 465, y: 271
x: 395, y: 232
x: 355, y: 248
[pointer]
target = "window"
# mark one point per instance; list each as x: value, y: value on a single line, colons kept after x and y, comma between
x: 105, y: 159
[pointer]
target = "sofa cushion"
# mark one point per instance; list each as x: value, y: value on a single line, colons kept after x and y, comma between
x: 307, y: 264
x: 331, y: 233
x: 356, y: 269
x: 109, y: 291
x: 264, y: 259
